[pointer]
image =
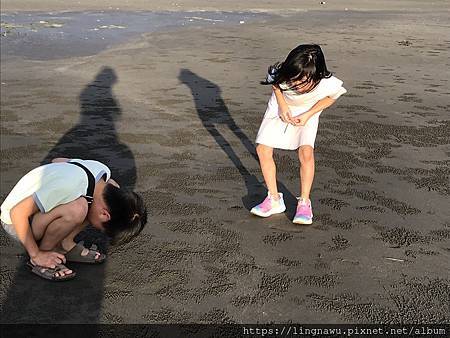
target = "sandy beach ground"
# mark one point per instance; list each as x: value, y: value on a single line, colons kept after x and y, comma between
x: 175, y: 112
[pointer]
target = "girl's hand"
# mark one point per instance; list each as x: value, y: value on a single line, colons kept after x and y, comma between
x: 286, y: 116
x: 301, y: 120
x: 283, y: 108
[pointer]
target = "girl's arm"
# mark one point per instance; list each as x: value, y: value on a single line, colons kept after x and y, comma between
x: 283, y: 108
x: 319, y: 106
x: 20, y: 214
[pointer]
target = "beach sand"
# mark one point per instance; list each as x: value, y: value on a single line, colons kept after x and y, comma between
x: 175, y: 114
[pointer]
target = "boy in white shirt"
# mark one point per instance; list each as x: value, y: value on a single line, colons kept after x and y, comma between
x: 51, y: 204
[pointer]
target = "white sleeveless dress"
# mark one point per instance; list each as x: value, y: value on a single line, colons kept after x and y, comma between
x: 275, y: 133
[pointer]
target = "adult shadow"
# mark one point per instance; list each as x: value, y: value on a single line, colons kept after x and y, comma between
x: 95, y: 135
x: 212, y: 111
x: 34, y: 300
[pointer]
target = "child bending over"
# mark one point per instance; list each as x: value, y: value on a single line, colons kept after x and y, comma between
x: 51, y: 204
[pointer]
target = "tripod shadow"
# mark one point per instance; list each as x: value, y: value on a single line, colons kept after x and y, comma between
x: 34, y: 300
x: 212, y: 111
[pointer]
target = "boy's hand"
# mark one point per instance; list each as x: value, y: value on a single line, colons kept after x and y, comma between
x: 48, y: 259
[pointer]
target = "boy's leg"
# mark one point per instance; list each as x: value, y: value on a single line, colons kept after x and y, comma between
x: 40, y: 221
x: 65, y: 221
x: 268, y: 168
x: 306, y: 157
x: 69, y: 241
x: 52, y: 227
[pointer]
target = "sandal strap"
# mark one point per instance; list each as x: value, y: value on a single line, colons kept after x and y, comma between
x: 50, y: 273
x: 93, y: 246
x: 75, y: 254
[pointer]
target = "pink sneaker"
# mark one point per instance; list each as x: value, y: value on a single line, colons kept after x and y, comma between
x: 304, y: 213
x: 269, y: 206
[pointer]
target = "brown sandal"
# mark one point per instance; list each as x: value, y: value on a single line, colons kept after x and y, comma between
x: 74, y: 255
x: 49, y: 273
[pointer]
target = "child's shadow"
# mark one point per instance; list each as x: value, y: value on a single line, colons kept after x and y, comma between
x: 212, y: 110
x: 33, y: 300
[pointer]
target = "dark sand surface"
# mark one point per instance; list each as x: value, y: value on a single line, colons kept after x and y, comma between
x: 175, y: 114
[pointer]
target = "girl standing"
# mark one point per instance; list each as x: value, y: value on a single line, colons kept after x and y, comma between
x: 302, y: 88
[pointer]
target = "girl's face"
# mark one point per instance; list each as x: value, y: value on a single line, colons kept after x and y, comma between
x: 300, y: 86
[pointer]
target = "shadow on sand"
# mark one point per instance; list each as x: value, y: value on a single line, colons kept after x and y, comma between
x: 34, y: 300
x: 212, y: 111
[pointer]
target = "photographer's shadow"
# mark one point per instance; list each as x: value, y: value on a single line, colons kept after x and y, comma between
x: 212, y: 111
x: 95, y: 136
x: 34, y: 300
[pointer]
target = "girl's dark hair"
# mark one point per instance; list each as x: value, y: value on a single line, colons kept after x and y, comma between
x: 305, y: 63
x: 128, y: 214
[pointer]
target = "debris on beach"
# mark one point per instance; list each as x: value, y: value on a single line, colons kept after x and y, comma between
x: 395, y: 259
x: 322, y: 2
x: 32, y: 26
x: 405, y: 43
x: 8, y: 28
x: 192, y: 18
x: 109, y: 27
x: 6, y: 25
x: 48, y: 24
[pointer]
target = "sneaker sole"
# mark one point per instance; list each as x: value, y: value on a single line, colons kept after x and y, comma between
x: 257, y: 213
x: 304, y: 222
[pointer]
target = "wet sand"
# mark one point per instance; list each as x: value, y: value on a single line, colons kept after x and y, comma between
x: 176, y: 115
x: 282, y: 6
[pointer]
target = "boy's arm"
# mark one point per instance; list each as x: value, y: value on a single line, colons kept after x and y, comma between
x: 283, y: 108
x: 20, y: 214
x: 319, y: 106
x: 60, y: 159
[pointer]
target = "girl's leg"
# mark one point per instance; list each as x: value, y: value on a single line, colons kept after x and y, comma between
x: 268, y: 168
x: 306, y: 157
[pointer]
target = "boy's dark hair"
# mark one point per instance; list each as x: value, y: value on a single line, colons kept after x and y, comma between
x: 128, y: 214
x: 305, y: 62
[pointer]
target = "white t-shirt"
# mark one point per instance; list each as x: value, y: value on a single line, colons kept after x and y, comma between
x: 52, y: 185
x: 301, y: 103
